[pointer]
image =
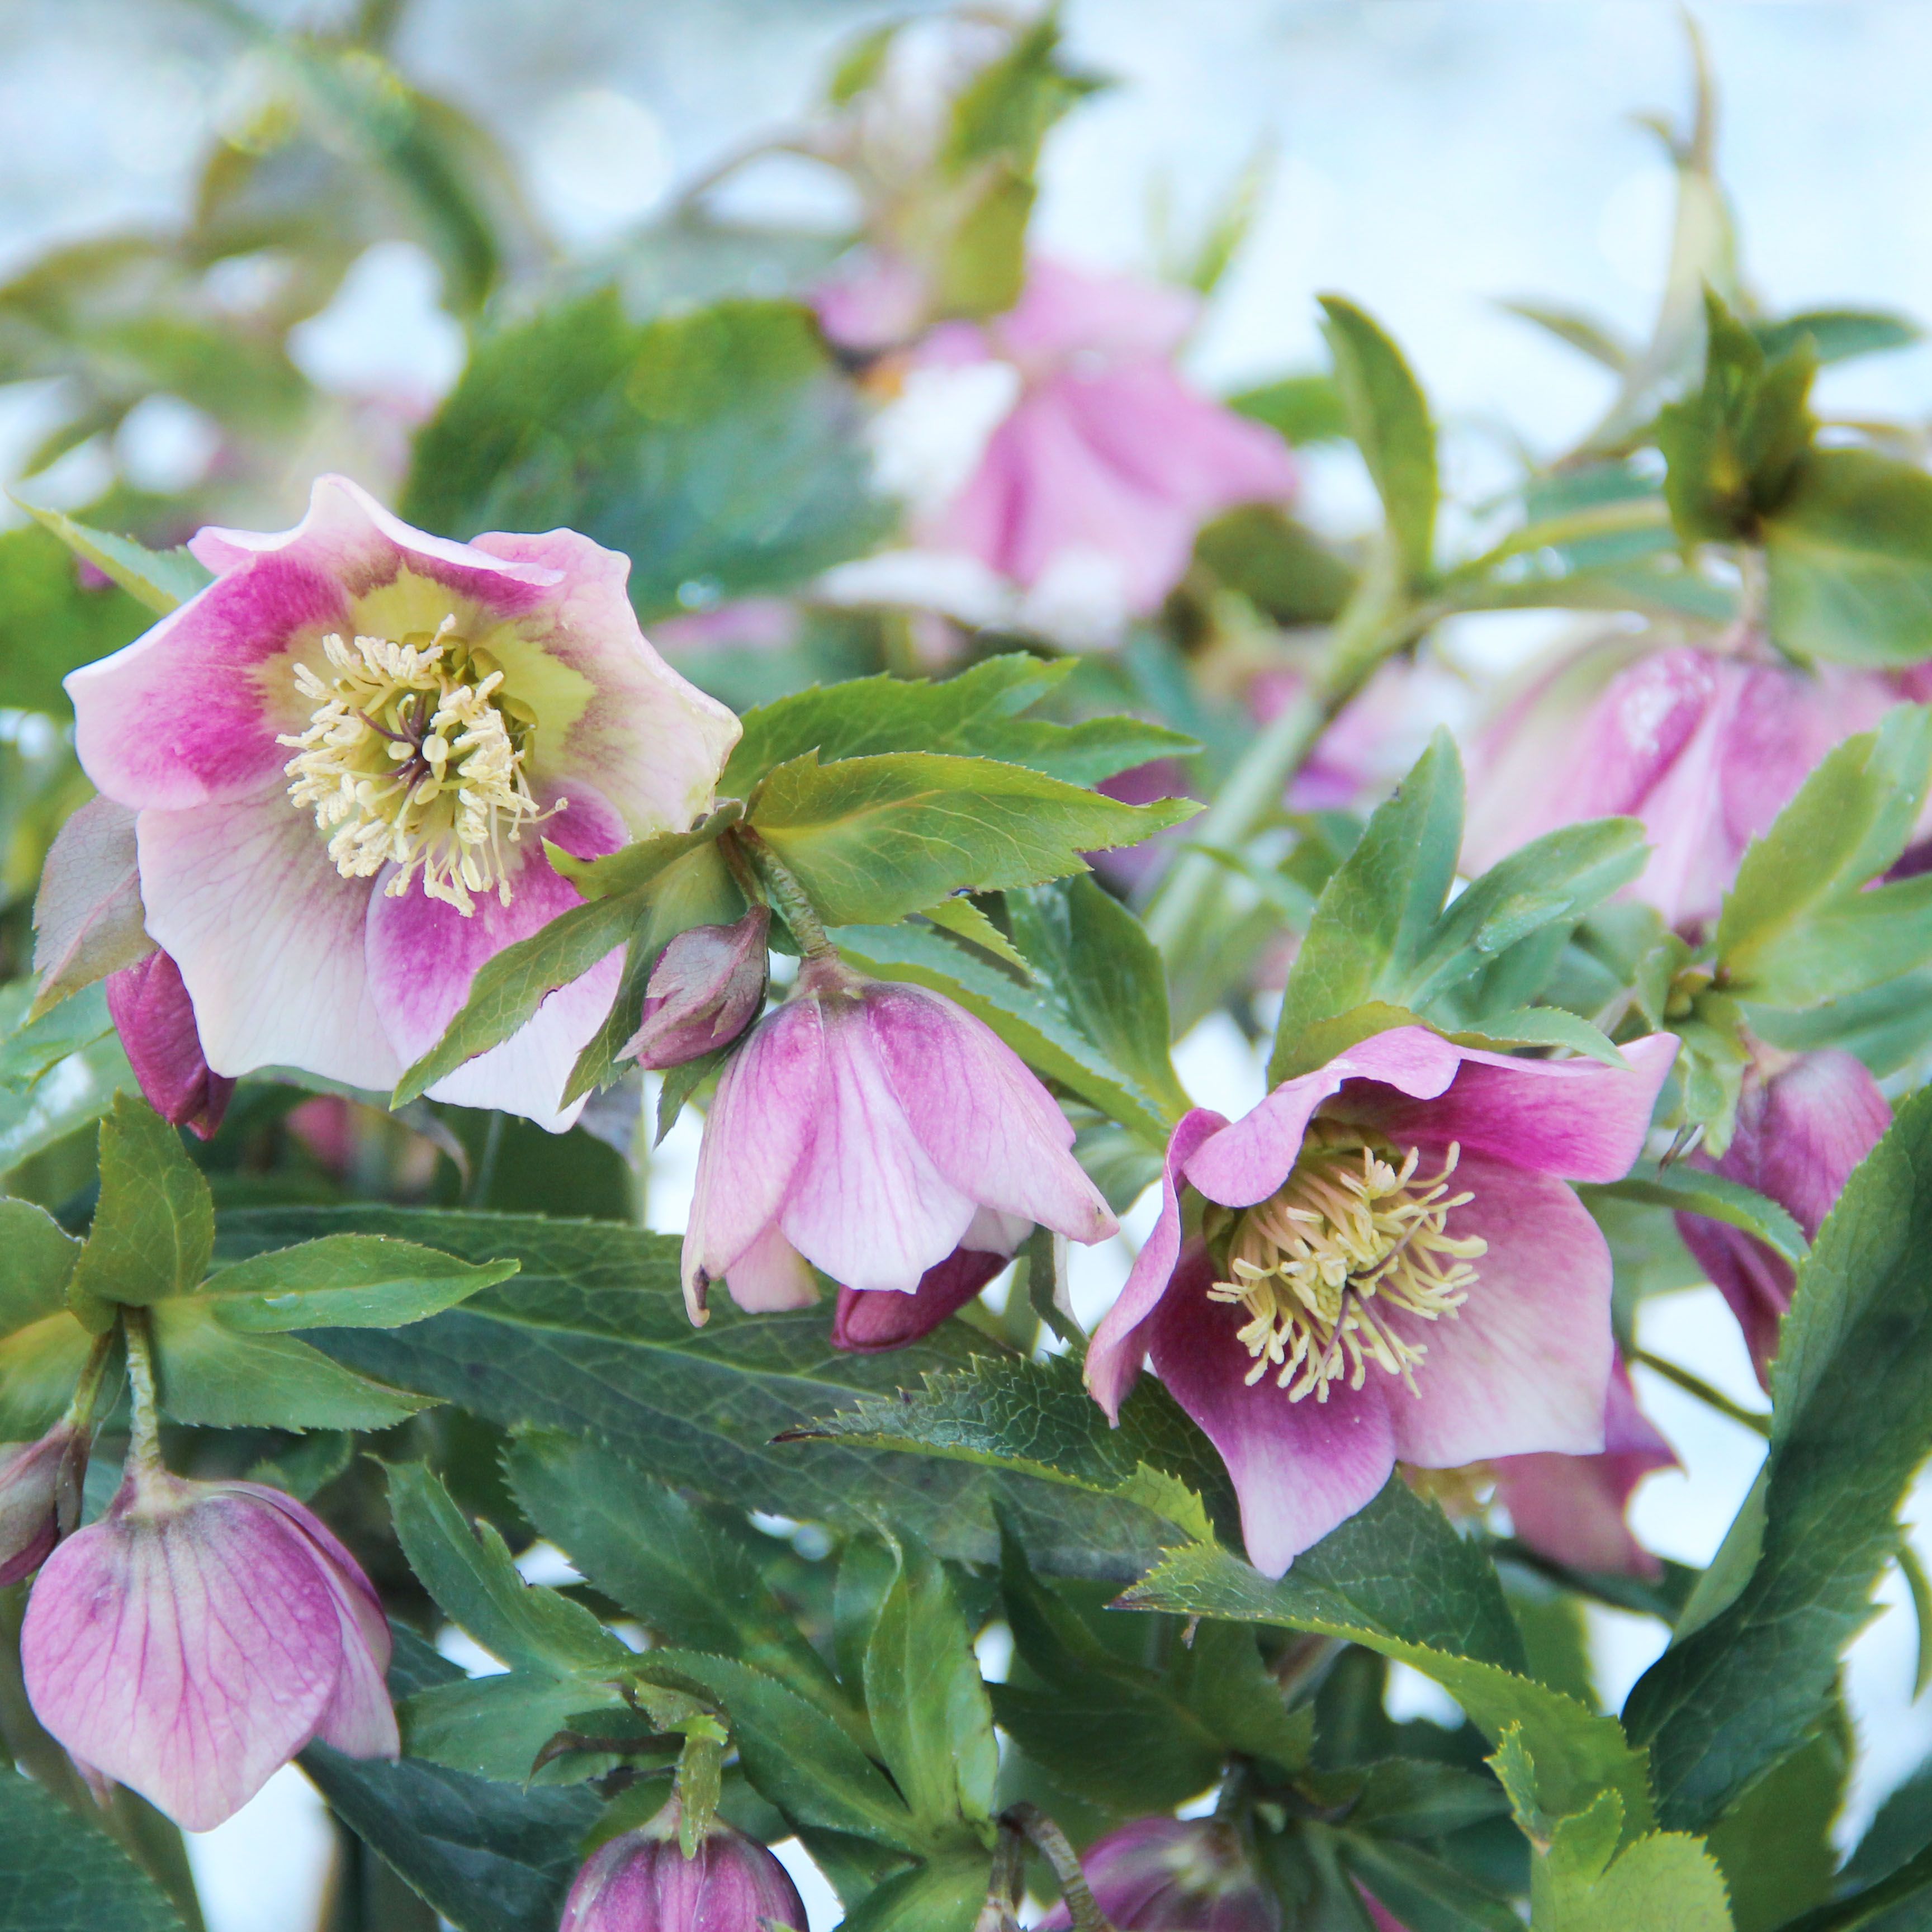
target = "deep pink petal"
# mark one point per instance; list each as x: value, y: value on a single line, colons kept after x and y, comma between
x: 155, y: 1018
x: 270, y: 940
x: 1120, y: 1343
x: 869, y: 1323
x: 991, y: 1128
x: 1524, y: 1365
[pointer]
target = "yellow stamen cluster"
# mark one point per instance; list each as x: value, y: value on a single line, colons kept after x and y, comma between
x: 1348, y: 1236
x: 414, y: 758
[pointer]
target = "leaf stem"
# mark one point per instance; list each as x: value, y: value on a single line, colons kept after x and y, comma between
x: 1759, y: 1424
x: 1050, y: 1841
x: 786, y: 894
x: 87, y: 1390
x: 144, y: 1445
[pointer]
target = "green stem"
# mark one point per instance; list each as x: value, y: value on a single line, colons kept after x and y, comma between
x: 1694, y: 1384
x: 786, y: 895
x: 1050, y: 1841
x: 144, y: 1445
x: 87, y: 1390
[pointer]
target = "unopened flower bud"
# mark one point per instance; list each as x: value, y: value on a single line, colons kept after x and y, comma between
x: 643, y: 1882
x: 706, y: 989
x: 1174, y: 1875
x: 200, y: 1634
x: 40, y: 1497
x: 155, y: 1018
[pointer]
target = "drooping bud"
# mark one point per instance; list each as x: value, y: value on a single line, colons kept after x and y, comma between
x: 643, y: 1882
x: 195, y: 1639
x: 1174, y: 1875
x: 1804, y: 1121
x: 869, y: 1325
x: 706, y: 989
x: 155, y: 1018
x: 40, y: 1497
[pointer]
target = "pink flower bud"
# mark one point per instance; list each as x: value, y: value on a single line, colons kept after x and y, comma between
x: 868, y: 1324
x: 643, y: 1882
x: 1804, y: 1122
x: 706, y: 987
x: 194, y: 1639
x: 1174, y: 1875
x: 155, y: 1018
x: 40, y: 1497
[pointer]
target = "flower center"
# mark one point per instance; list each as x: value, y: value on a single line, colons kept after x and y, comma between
x: 1349, y: 1235
x: 414, y: 758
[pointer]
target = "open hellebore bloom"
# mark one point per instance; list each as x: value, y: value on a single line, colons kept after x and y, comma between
x: 643, y: 1882
x: 155, y: 1019
x: 877, y: 1131
x: 708, y: 984
x: 1390, y: 1267
x: 40, y: 1497
x: 1174, y: 1875
x: 195, y: 1639
x: 1571, y: 1507
x: 1804, y: 1121
x: 1705, y: 747
x: 346, y: 754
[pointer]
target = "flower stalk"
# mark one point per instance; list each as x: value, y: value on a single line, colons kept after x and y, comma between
x: 144, y: 1442
x: 1050, y: 1842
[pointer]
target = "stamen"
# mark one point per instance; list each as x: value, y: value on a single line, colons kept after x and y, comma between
x: 1349, y: 1236
x: 413, y: 758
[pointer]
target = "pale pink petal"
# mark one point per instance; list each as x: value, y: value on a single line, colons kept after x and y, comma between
x: 345, y: 1577
x: 1524, y: 1365
x: 1119, y: 1344
x: 991, y: 1128
x: 270, y: 940
x: 1299, y: 1468
x: 771, y: 1276
x: 1063, y: 311
x: 869, y: 1206
x: 424, y: 954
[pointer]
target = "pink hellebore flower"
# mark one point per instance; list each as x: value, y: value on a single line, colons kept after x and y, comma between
x: 643, y: 1882
x: 1390, y: 1267
x: 872, y: 1129
x: 1174, y: 1875
x: 1109, y: 461
x: 194, y: 1639
x: 1570, y: 1508
x: 1804, y: 1121
x: 155, y: 1018
x: 708, y: 983
x: 1706, y: 748
x: 40, y: 1497
x: 346, y: 754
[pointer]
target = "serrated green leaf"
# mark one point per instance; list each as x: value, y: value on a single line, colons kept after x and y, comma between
x: 964, y: 919
x: 162, y: 579
x: 1693, y: 1190
x: 497, y: 1727
x: 344, y: 1281
x: 58, y: 1874
x: 37, y: 1256
x: 873, y: 839
x: 154, y: 1231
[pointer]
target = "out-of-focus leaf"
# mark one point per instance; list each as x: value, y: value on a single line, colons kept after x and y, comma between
x: 1583, y: 333
x: 1838, y: 335
x: 1279, y: 565
x: 50, y: 624
x: 1300, y: 409
x: 73, y: 1092
x: 162, y: 579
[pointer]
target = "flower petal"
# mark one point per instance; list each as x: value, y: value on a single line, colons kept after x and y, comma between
x: 867, y: 1324
x: 1299, y: 1468
x: 1525, y: 1364
x: 269, y: 938
x: 770, y: 1275
x: 155, y: 1018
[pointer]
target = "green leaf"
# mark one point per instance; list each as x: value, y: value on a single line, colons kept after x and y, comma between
x: 49, y: 624
x: 162, y: 579
x: 498, y: 1727
x: 1583, y: 333
x: 944, y: 1894
x: 88, y: 916
x: 58, y: 1874
x: 72, y: 1093
x: 1005, y: 110
x: 344, y: 1281
x: 37, y: 1257
x: 1838, y: 335
x: 1299, y: 409
x: 591, y: 1338
x: 1799, y: 927
x: 1430, y: 1895
x: 1774, y: 1845
x: 962, y: 918
x: 35, y: 1049
x: 1756, y: 1656
x: 874, y: 839
x: 154, y: 1231
x: 1692, y: 1190
x: 1388, y: 417
x: 720, y: 450
x: 209, y: 1374
x: 976, y: 715
x: 1848, y: 555
x: 39, y: 1365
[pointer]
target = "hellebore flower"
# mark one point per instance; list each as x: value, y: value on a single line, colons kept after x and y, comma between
x: 155, y: 1018
x: 1804, y: 1121
x: 346, y: 754
x: 1391, y: 1266
x: 40, y: 1497
x: 1099, y: 462
x: 195, y: 1639
x: 643, y: 1882
x: 1706, y: 748
x: 708, y: 984
x: 1571, y: 1508
x: 871, y: 1129
x: 1174, y: 1875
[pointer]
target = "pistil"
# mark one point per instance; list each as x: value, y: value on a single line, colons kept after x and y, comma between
x: 1353, y: 1234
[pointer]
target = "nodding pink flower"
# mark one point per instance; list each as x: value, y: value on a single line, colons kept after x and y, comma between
x: 1106, y: 462
x: 871, y: 1130
x: 346, y: 754
x: 1804, y: 1121
x: 195, y: 1639
x: 708, y: 984
x: 643, y: 1882
x: 155, y: 1017
x: 1174, y: 1875
x: 1705, y: 747
x: 1571, y: 1508
x: 1391, y: 1266
x: 40, y: 1497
